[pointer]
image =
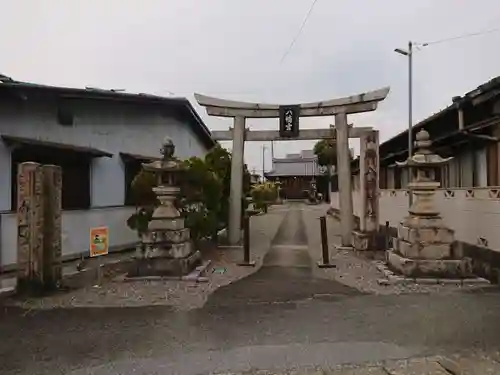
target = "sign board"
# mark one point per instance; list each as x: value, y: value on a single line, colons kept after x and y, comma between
x: 289, y: 121
x: 99, y: 241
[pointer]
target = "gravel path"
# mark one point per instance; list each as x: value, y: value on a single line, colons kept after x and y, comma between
x: 180, y: 295
x: 355, y: 270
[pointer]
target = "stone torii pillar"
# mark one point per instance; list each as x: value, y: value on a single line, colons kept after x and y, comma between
x: 236, y: 184
x: 344, y: 177
x: 339, y: 108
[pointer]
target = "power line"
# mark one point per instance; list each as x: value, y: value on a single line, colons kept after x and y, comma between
x: 463, y: 36
x: 299, y: 32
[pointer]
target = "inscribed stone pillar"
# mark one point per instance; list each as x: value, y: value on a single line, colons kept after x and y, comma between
x: 236, y: 187
x: 369, y: 171
x: 30, y: 219
x: 52, y: 178
x: 344, y: 176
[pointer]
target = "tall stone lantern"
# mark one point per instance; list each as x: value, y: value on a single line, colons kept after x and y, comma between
x: 167, y: 243
x: 423, y: 247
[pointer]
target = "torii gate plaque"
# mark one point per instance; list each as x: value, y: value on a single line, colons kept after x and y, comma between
x: 339, y: 108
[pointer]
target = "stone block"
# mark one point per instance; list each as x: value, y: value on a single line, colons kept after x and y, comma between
x: 180, y: 250
x: 176, y: 236
x: 360, y: 241
x: 438, y: 235
x: 395, y: 243
x: 423, y: 222
x: 401, y: 264
x: 434, y: 251
x: 160, y: 224
x: 163, y: 266
x: 403, y: 232
x: 443, y: 268
x: 407, y: 249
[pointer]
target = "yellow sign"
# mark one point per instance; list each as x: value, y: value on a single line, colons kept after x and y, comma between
x: 99, y: 241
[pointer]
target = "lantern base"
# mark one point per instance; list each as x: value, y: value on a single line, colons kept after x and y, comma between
x: 165, y: 266
x: 441, y: 268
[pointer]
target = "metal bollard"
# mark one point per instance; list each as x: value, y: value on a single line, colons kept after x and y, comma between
x: 246, y: 243
x: 387, y: 236
x: 324, y: 245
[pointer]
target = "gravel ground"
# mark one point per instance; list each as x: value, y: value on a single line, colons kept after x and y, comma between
x: 355, y: 270
x: 467, y: 363
x: 180, y: 295
x: 352, y: 269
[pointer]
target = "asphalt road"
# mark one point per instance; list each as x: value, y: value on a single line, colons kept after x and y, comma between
x: 280, y: 317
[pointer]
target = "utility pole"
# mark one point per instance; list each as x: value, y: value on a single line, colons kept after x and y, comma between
x: 263, y: 161
x: 409, y: 54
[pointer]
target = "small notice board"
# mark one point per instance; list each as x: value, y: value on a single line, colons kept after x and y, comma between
x: 99, y: 241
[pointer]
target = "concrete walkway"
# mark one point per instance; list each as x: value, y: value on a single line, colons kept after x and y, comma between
x: 286, y: 274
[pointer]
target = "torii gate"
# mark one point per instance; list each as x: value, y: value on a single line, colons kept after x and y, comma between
x: 289, y: 130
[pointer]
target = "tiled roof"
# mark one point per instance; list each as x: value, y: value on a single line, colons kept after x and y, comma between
x: 301, y: 164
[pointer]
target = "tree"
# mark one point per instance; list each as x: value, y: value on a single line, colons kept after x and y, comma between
x: 145, y: 201
x: 218, y: 159
x: 201, y: 198
x: 326, y: 151
x: 264, y: 194
x: 204, y: 198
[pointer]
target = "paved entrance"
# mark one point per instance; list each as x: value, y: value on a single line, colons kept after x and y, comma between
x: 286, y: 274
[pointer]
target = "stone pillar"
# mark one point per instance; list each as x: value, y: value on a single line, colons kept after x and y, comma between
x: 235, y: 199
x: 369, y: 189
x: 52, y: 179
x: 30, y: 221
x: 344, y: 176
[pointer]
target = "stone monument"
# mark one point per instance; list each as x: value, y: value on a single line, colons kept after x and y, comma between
x: 38, y: 227
x: 423, y: 247
x: 167, y: 243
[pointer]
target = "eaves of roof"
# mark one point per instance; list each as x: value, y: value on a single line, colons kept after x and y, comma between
x: 197, y: 122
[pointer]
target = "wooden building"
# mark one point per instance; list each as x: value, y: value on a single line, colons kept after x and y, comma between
x: 295, y: 173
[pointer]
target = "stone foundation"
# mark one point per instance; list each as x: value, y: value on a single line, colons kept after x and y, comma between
x: 162, y: 266
x: 441, y: 268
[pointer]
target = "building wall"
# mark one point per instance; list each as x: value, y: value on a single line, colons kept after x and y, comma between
x: 110, y: 126
x: 75, y: 231
x: 474, y: 214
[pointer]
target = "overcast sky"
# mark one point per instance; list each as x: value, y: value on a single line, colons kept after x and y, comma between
x: 233, y: 49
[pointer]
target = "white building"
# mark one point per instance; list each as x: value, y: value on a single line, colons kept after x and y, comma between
x: 99, y: 138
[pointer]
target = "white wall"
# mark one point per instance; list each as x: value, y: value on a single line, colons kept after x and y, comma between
x: 106, y: 125
x: 109, y: 126
x: 75, y: 231
x: 474, y: 214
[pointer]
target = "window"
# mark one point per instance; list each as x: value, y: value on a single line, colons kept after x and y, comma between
x: 65, y: 116
x: 75, y: 174
x: 132, y: 168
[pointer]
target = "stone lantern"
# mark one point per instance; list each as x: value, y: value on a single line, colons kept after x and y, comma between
x: 423, y: 247
x: 167, y: 243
